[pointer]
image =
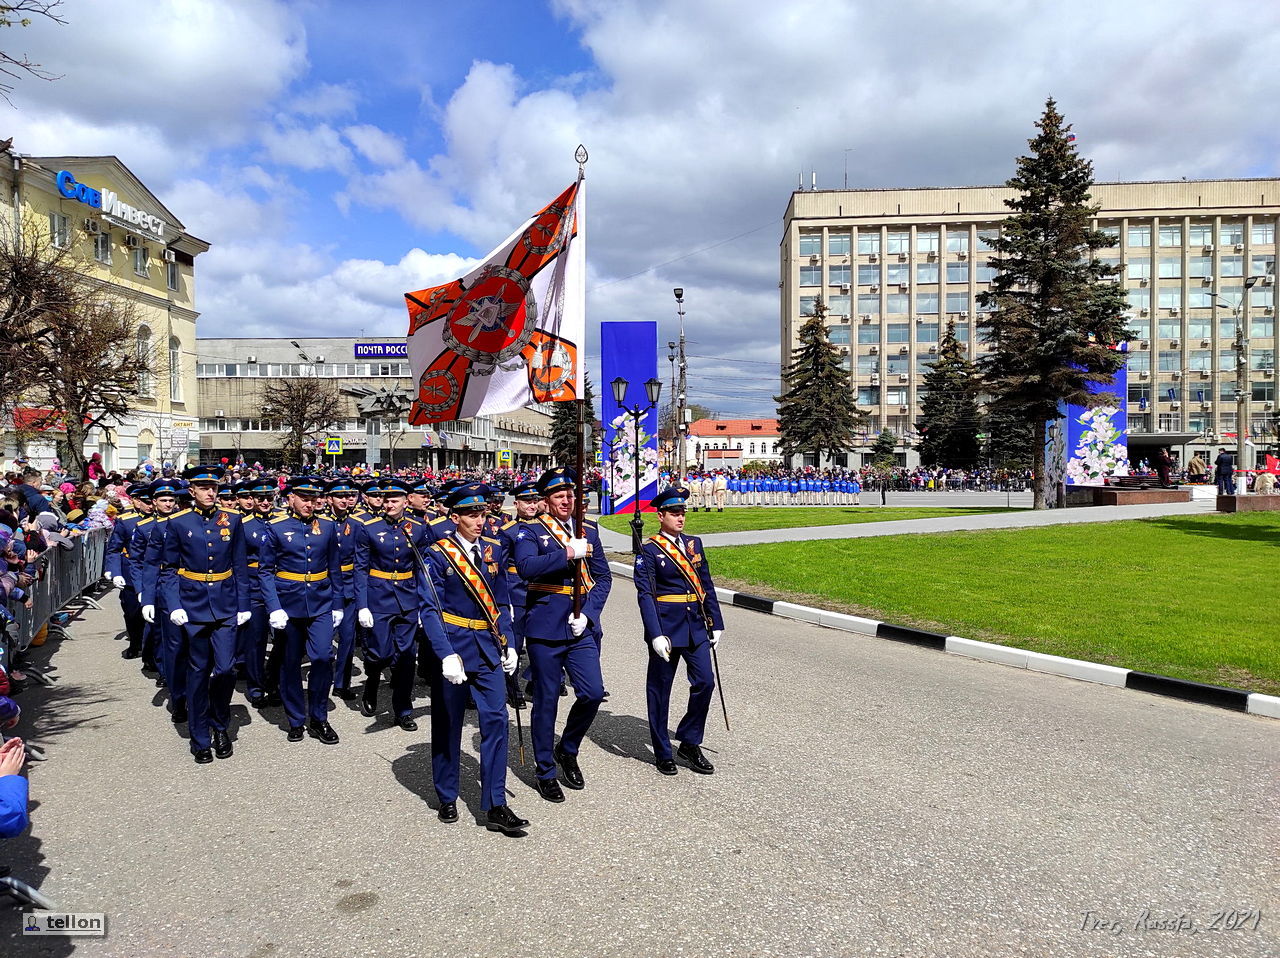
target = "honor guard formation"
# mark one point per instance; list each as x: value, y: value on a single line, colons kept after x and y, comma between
x: 276, y: 586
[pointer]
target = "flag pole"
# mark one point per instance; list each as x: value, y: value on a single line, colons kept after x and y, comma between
x: 579, y: 500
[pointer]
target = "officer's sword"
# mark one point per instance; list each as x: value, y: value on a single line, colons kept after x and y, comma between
x: 715, y: 664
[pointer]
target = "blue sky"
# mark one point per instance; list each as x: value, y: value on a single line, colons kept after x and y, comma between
x: 338, y: 155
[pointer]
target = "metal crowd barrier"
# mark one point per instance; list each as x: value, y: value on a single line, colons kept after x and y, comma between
x: 64, y: 574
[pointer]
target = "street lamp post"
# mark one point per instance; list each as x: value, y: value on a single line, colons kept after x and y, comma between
x: 671, y: 404
x: 682, y: 388
x: 1240, y: 315
x: 653, y: 390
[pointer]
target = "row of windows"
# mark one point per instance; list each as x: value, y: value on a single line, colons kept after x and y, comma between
x: 479, y: 427
x: 1197, y: 360
x: 766, y: 448
x: 330, y: 370
x: 1168, y: 267
x: 1201, y: 422
x: 1198, y: 267
x: 1264, y: 390
x: 868, y: 333
x: 1198, y: 327
x: 60, y: 236
x: 146, y: 352
x: 1170, y: 297
x: 957, y: 241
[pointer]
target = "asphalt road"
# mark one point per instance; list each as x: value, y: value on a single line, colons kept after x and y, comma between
x: 872, y: 799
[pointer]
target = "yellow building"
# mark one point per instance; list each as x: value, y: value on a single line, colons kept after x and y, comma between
x: 137, y: 246
x: 895, y: 266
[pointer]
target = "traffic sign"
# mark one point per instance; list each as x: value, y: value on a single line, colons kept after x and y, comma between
x: 333, y: 446
x: 599, y: 457
x: 504, y: 457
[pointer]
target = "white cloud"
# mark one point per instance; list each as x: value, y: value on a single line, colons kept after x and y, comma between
x: 376, y: 145
x: 307, y: 148
x: 326, y: 101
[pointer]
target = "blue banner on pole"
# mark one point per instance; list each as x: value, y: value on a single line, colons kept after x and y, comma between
x: 629, y: 351
x: 1098, y: 436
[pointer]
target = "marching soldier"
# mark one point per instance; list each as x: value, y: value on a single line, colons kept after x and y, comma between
x: 528, y: 504
x: 420, y: 500
x: 550, y: 553
x: 386, y: 587
x: 302, y: 589
x: 682, y: 620
x: 370, y: 501
x: 227, y: 498
x: 342, y: 498
x: 251, y: 637
x: 205, y: 581
x: 117, y: 568
x: 149, y: 538
x: 496, y: 518
x: 465, y: 615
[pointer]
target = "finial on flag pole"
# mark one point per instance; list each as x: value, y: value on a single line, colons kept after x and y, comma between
x: 580, y: 154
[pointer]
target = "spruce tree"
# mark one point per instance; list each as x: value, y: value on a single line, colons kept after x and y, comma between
x: 1057, y: 310
x: 816, y: 412
x: 1008, y: 441
x: 949, y: 410
x: 883, y: 456
x: 564, y: 428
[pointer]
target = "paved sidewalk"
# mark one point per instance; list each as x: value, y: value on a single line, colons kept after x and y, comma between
x: 992, y: 520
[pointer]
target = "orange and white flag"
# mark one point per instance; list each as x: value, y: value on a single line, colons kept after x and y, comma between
x: 511, y: 332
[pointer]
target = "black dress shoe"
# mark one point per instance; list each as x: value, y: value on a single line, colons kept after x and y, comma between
x: 564, y: 689
x: 502, y: 819
x: 696, y: 760
x: 448, y: 813
x: 258, y: 701
x: 667, y: 766
x: 295, y: 733
x: 179, y: 713
x: 549, y: 789
x: 569, y: 770
x: 222, y: 747
x: 322, y: 731
x: 272, y: 698
x: 159, y: 682
x: 130, y: 654
x: 203, y: 756
x: 345, y: 694
x: 407, y: 723
x: 369, y: 701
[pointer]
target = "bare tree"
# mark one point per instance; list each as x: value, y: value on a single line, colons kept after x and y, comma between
x: 69, y: 341
x: 303, y: 408
x: 15, y: 14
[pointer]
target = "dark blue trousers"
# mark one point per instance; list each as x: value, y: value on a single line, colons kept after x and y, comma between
x: 390, y: 643
x: 312, y: 637
x: 702, y: 684
x: 251, y: 648
x: 131, y: 609
x: 448, y: 708
x: 174, y: 656
x: 211, y: 676
x: 346, y: 645
x: 580, y: 658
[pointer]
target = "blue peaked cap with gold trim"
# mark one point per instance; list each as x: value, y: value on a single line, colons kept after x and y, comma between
x: 203, y: 474
x: 471, y: 495
x: 671, y: 499
x: 305, y: 486
x: 337, y: 487
x: 555, y: 479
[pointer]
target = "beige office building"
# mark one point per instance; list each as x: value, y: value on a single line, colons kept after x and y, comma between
x: 895, y: 266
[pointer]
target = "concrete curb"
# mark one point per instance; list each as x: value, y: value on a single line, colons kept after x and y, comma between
x: 1254, y: 703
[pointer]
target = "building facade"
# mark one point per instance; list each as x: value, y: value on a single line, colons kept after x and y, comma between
x: 131, y: 242
x: 895, y: 266
x: 232, y: 373
x: 733, y: 443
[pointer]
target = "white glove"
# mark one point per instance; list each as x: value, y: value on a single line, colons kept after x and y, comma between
x: 337, y: 618
x: 278, y: 619
x: 179, y: 617
x: 578, y: 548
x: 148, y: 613
x: 715, y: 636
x: 243, y: 617
x: 365, y: 618
x: 451, y: 669
x: 577, y: 624
x: 662, y: 646
x: 118, y: 581
x: 510, y: 659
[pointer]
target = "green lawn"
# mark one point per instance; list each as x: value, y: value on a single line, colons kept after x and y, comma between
x: 1191, y: 597
x: 749, y: 518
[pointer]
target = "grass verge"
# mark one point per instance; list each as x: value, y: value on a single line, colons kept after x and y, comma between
x: 1193, y: 597
x: 748, y: 518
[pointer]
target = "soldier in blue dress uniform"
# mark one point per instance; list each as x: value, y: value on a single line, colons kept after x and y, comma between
x: 252, y: 636
x: 301, y: 581
x: 682, y: 620
x: 387, y: 571
x: 204, y: 578
x: 528, y: 504
x: 466, y: 618
x: 148, y: 542
x: 117, y: 568
x: 549, y: 554
x: 342, y: 493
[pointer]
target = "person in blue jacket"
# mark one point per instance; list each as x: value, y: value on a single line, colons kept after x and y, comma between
x: 148, y: 542
x: 550, y: 554
x: 117, y: 568
x: 465, y: 614
x: 261, y: 688
x: 300, y: 572
x: 389, y: 548
x: 682, y: 620
x: 204, y: 578
x: 13, y: 788
x: 342, y: 494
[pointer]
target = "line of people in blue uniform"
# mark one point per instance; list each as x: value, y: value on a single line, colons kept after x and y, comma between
x: 708, y: 490
x: 220, y: 581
